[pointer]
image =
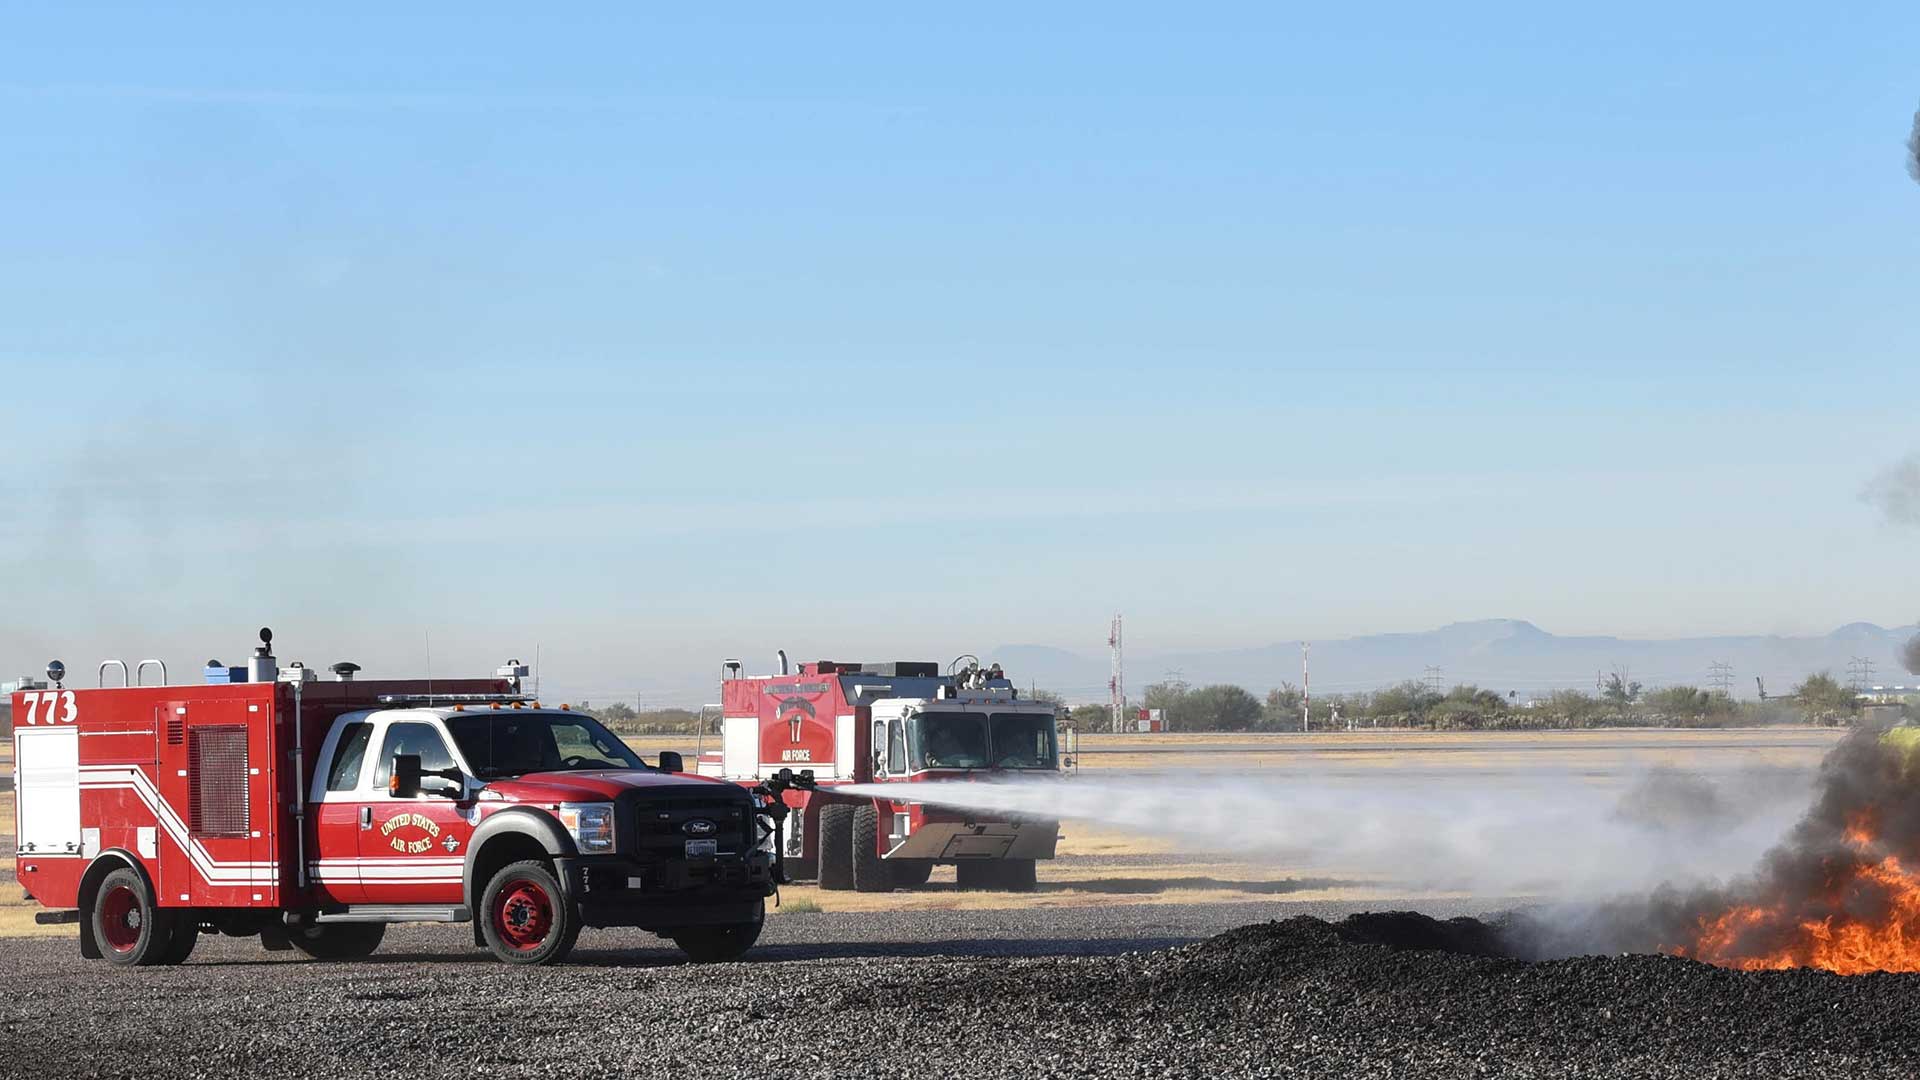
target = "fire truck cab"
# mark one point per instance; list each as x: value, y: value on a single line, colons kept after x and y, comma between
x: 898, y: 723
x: 314, y: 813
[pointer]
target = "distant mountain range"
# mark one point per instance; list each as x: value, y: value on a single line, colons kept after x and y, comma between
x: 1499, y: 654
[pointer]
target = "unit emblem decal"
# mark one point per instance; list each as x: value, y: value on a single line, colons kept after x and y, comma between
x: 793, y: 709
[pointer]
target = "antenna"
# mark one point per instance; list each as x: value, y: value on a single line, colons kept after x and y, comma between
x: 428, y: 635
x: 1117, y: 686
x: 536, y: 671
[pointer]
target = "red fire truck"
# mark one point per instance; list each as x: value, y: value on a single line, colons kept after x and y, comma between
x: 314, y: 813
x: 902, y: 723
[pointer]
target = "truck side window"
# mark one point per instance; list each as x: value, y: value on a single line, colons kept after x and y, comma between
x: 896, y: 747
x: 419, y: 739
x: 347, y: 756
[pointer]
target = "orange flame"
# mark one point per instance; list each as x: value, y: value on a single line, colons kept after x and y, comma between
x: 1817, y: 937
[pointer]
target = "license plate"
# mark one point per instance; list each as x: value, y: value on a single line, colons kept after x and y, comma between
x: 702, y: 849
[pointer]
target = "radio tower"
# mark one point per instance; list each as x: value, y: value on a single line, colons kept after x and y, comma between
x: 1116, y: 687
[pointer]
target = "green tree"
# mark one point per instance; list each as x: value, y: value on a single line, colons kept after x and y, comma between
x: 1220, y: 708
x: 1092, y: 717
x: 1619, y: 691
x: 1824, y: 699
x: 1282, y: 709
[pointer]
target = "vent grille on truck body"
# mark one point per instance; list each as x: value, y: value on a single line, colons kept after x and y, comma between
x: 176, y: 726
x: 217, y: 780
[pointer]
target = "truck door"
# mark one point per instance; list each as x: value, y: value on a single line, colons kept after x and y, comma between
x: 412, y: 851
x: 338, y: 802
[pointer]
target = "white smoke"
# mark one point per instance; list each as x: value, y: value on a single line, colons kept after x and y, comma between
x: 1548, y: 834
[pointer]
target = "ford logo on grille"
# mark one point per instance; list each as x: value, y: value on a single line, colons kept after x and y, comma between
x: 698, y: 827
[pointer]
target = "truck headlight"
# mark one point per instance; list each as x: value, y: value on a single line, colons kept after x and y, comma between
x: 590, y: 824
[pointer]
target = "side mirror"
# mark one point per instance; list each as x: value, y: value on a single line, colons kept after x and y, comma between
x: 404, y: 781
x: 670, y: 761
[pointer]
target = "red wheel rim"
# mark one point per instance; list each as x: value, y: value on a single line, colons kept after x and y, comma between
x: 523, y: 915
x: 120, y: 918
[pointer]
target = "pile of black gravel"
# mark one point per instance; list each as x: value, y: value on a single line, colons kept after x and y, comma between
x: 1377, y: 995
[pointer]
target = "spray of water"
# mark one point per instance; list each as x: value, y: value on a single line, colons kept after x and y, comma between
x: 1549, y: 834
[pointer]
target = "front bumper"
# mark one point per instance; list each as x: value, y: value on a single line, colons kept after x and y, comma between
x: 616, y: 890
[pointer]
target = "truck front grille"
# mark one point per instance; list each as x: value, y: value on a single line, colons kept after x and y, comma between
x: 660, y: 826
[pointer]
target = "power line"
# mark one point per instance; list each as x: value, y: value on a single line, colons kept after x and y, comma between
x: 1860, y: 673
x: 1434, y: 678
x: 1721, y: 677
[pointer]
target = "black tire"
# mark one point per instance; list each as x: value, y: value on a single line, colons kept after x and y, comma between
x: 186, y: 934
x: 910, y: 873
x: 1019, y: 875
x: 717, y: 944
x: 525, y: 917
x: 870, y: 872
x: 339, y: 940
x: 973, y: 874
x: 836, y: 847
x: 131, y: 929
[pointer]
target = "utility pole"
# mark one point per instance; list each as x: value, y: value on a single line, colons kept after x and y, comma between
x: 1306, y: 690
x: 1860, y: 673
x: 1434, y: 679
x: 1721, y: 677
x: 1116, y: 687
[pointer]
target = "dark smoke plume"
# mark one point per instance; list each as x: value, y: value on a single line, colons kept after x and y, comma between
x: 1913, y: 150
x: 1896, y: 491
x: 1910, y: 655
x: 1810, y: 875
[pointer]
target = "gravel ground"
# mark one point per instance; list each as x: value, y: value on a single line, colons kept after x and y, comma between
x: 1109, y: 992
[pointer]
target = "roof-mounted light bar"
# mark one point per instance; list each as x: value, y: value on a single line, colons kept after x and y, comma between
x: 402, y: 699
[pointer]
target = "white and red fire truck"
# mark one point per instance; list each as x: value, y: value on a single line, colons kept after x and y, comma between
x: 314, y: 813
x: 901, y: 723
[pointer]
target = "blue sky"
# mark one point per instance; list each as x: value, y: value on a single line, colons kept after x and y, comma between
x: 656, y: 338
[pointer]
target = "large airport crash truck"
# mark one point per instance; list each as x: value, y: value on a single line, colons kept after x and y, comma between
x: 313, y: 813
x: 905, y: 725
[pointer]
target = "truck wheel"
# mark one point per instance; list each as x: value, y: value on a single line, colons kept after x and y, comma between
x: 131, y: 929
x: 186, y: 934
x: 870, y: 871
x: 973, y: 874
x: 836, y: 847
x: 338, y: 941
x: 525, y: 917
x: 715, y: 944
x: 1018, y: 875
x: 910, y: 873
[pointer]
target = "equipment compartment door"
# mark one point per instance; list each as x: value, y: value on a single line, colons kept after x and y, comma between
x: 47, y: 768
x: 212, y: 775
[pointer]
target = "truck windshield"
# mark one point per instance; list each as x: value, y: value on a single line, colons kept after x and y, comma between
x: 512, y: 744
x: 944, y: 740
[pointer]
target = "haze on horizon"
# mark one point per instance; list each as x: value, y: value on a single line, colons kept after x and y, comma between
x: 651, y: 339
